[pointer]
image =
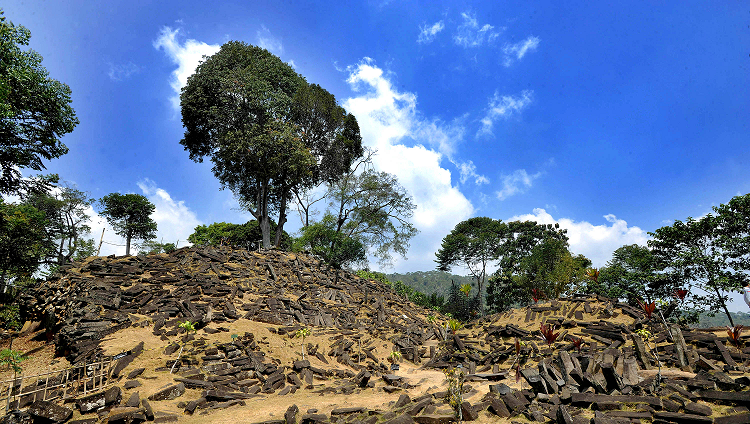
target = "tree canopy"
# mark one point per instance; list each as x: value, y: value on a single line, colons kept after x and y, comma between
x: 23, y: 241
x: 632, y: 274
x: 336, y: 248
x: 267, y: 131
x: 474, y: 244
x: 372, y: 208
x: 35, y: 110
x: 130, y: 216
x: 690, y: 255
x: 67, y: 226
x: 245, y: 235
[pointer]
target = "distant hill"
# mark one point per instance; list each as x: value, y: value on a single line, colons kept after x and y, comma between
x: 721, y: 320
x: 429, y: 282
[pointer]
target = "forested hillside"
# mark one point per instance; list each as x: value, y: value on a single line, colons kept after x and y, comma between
x: 721, y: 320
x: 429, y: 282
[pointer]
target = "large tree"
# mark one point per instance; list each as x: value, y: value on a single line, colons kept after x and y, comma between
x: 35, y: 110
x: 23, y: 241
x: 130, y: 216
x: 511, y: 284
x: 733, y: 231
x: 632, y: 274
x: 372, y: 208
x: 473, y: 244
x: 551, y: 269
x: 65, y: 209
x: 269, y: 134
x: 691, y: 254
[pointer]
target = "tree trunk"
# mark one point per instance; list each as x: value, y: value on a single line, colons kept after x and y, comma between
x: 265, y: 229
x: 724, y: 306
x: 127, y: 244
x: 263, y: 220
x: 282, y: 221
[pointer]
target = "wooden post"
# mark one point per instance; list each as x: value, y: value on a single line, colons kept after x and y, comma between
x: 101, y: 240
x: 83, y: 371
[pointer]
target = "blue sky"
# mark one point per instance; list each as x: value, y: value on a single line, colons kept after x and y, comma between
x: 610, y: 120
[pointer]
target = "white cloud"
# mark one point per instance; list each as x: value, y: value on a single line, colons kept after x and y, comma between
x: 428, y: 33
x: 470, y: 34
x: 518, y: 51
x: 469, y: 170
x: 596, y: 242
x: 174, y: 220
x: 264, y: 39
x: 187, y: 56
x: 121, y: 72
x: 517, y: 182
x: 503, y: 106
x: 388, y: 121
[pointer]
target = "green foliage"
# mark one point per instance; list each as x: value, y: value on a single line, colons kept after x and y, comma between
x: 632, y: 274
x: 459, y: 305
x: 706, y: 320
x: 433, y: 300
x: 551, y: 269
x: 10, y: 317
x: 246, y: 236
x: 374, y: 209
x: 455, y: 378
x: 188, y: 326
x: 514, y: 248
x: 35, y: 110
x: 23, y: 241
x: 373, y: 275
x: 431, y: 282
x: 473, y: 244
x: 130, y: 216
x: 149, y: 247
x: 65, y: 210
x: 505, y: 292
x: 13, y: 359
x: 268, y: 133
x: 337, y: 249
x: 692, y: 254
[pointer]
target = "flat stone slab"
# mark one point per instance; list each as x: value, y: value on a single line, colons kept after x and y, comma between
x: 50, y: 411
x: 434, y: 419
x: 743, y: 418
x: 677, y: 417
x: 99, y: 400
x: 168, y: 393
x: 740, y: 398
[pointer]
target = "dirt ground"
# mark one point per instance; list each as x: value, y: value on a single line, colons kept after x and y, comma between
x: 284, y: 350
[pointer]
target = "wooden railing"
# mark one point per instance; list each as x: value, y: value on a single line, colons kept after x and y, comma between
x: 74, y: 381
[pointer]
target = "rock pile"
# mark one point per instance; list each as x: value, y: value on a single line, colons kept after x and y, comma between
x: 87, y: 301
x: 676, y: 375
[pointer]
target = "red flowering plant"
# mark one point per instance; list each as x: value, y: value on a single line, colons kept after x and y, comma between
x: 548, y: 334
x: 680, y: 294
x: 578, y: 343
x: 648, y: 308
x: 734, y: 338
x: 734, y: 335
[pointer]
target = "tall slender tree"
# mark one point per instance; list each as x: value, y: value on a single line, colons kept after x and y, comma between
x: 130, y: 216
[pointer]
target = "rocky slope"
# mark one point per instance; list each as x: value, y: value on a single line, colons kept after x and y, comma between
x: 244, y: 360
